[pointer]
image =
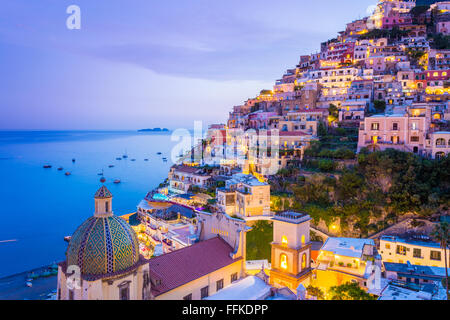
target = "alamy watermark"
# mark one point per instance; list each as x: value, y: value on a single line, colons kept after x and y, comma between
x: 73, y: 22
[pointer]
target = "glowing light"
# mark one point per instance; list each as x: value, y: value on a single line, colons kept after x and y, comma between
x: 283, y: 262
x: 284, y: 241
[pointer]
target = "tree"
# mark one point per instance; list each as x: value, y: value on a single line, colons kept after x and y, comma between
x: 380, y: 106
x: 333, y: 112
x: 316, y: 292
x: 349, y: 291
x: 258, y: 241
x: 441, y: 234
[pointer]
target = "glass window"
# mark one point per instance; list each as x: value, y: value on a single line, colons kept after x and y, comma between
x: 124, y: 293
x: 283, y: 261
x: 188, y: 297
x: 204, y: 292
x: 435, y: 255
x: 401, y: 250
x: 417, y: 253
x: 219, y: 285
x: 234, y: 277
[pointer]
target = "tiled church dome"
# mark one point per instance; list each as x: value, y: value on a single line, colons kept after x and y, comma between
x: 103, y: 246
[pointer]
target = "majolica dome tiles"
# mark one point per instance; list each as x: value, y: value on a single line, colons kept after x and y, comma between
x: 102, y: 246
x: 103, y: 193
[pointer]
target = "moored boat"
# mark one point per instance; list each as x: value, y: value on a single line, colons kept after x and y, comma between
x: 67, y: 173
x: 117, y: 181
x: 60, y: 168
x: 47, y: 166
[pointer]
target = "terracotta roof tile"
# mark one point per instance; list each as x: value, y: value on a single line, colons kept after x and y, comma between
x: 179, y: 267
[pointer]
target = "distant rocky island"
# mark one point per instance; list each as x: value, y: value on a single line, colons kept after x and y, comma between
x: 154, y: 130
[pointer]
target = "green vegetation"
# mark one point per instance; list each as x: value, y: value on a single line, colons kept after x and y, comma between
x: 315, y: 292
x: 380, y: 106
x: 394, y: 34
x: 333, y: 112
x: 349, y: 291
x: 439, y: 41
x: 258, y: 241
x: 374, y: 193
x: 418, y: 10
x: 334, y: 143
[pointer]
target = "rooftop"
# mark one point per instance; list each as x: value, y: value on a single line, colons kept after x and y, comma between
x: 405, y: 268
x: 248, y: 179
x: 349, y: 247
x: 249, y: 288
x: 411, y: 241
x: 292, y: 217
x: 187, y: 264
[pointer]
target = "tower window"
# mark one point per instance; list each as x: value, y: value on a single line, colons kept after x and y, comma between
x: 304, y: 261
x: 107, y: 206
x: 284, y: 241
x: 283, y: 261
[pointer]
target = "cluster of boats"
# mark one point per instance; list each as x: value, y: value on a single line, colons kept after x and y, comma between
x: 67, y: 173
x: 47, y: 272
x: 103, y: 179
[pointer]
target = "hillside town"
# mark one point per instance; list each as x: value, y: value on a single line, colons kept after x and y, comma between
x: 332, y: 185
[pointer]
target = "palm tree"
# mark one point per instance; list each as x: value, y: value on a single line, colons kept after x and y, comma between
x: 373, y: 147
x: 441, y: 234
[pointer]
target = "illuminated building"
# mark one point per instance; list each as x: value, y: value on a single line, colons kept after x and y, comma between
x: 291, y: 250
x: 416, y: 251
x: 103, y: 260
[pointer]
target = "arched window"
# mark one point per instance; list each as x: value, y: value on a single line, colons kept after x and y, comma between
x: 107, y: 206
x: 440, y: 142
x: 283, y: 261
x: 303, y: 240
x: 304, y: 261
x: 284, y: 241
x: 440, y: 155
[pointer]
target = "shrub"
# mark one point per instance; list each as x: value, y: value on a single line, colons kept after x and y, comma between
x: 326, y: 165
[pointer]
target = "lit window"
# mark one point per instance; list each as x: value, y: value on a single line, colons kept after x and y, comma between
x: 304, y: 261
x: 283, y: 261
x: 284, y: 241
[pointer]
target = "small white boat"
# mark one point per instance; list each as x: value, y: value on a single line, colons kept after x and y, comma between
x: 117, y: 181
x: 29, y: 284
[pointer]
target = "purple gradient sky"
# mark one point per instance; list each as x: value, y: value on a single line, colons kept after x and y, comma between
x: 147, y: 63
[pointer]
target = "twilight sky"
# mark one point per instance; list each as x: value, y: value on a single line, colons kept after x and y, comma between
x: 147, y: 63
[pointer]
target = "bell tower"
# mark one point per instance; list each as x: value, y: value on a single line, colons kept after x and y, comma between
x: 291, y: 250
x: 103, y: 202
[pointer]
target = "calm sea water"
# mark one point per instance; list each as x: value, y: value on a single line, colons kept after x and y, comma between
x: 38, y: 207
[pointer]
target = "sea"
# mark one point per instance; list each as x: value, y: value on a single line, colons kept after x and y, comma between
x: 39, y: 207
